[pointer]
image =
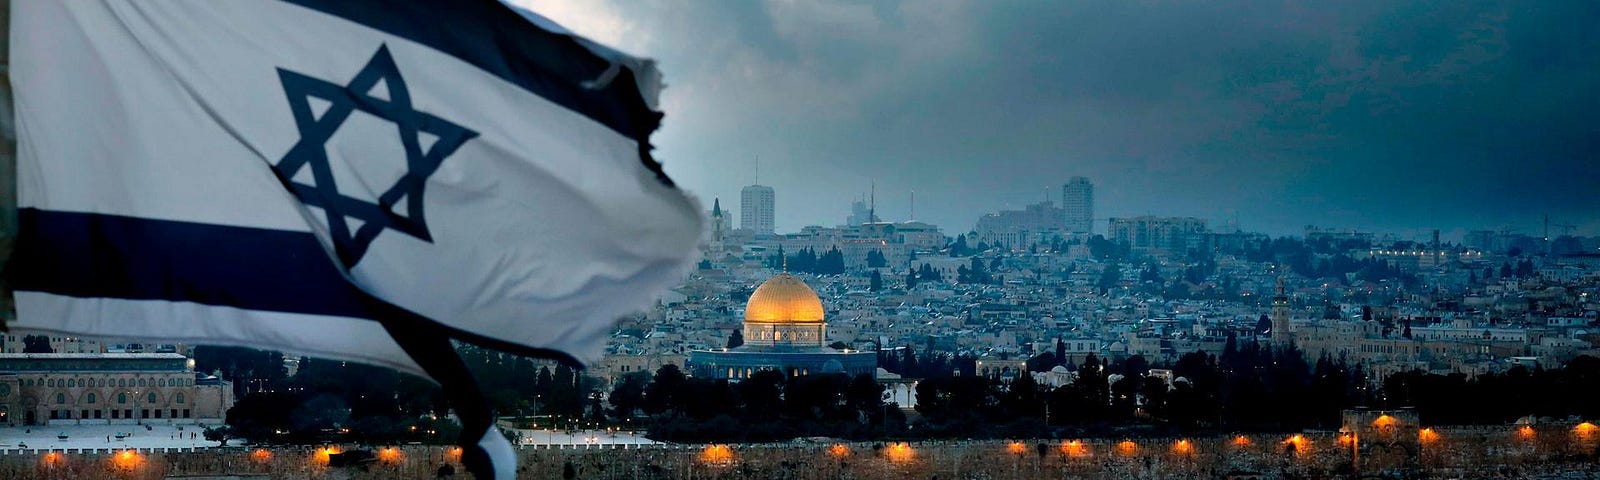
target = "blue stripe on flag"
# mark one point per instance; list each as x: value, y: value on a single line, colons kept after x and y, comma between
x: 91, y: 255
x: 498, y: 40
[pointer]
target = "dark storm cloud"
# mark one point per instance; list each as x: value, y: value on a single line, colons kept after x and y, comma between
x: 1379, y: 114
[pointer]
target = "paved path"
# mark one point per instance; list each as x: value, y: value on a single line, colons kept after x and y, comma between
x: 95, y: 436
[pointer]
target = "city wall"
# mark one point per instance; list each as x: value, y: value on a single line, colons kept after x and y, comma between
x: 1466, y: 452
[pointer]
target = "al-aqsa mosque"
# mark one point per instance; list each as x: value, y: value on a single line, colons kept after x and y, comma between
x: 784, y: 330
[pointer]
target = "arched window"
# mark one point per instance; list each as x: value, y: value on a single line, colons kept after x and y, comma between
x: 50, y: 382
x: 122, y: 398
x: 61, y: 398
x: 151, y: 398
x: 178, y: 398
x: 122, y: 382
x: 89, y: 398
x: 72, y: 382
x: 163, y: 382
x: 141, y: 382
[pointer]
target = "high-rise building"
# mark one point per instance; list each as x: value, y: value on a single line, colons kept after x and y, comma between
x: 755, y: 209
x: 1077, y: 200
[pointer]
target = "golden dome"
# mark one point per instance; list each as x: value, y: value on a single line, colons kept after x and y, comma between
x: 783, y: 299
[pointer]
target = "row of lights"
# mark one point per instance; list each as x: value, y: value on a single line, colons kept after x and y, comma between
x: 899, y: 452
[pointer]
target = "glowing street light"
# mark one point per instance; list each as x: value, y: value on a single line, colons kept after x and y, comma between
x: 1074, y: 448
x: 900, y: 453
x: 839, y: 450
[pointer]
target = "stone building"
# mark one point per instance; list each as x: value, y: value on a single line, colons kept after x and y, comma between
x: 108, y: 388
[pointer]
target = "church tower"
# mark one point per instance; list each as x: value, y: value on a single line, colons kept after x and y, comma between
x: 1280, y: 318
x: 719, y: 223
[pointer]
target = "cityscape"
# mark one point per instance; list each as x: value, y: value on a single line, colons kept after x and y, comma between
x: 1038, y: 325
x: 825, y: 240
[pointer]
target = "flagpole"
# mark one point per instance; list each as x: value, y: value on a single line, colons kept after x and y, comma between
x: 8, y: 165
x: 429, y: 345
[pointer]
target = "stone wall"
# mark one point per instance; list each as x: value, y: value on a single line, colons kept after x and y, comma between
x: 1493, y: 452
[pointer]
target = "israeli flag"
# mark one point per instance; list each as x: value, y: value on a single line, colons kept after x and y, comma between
x: 296, y: 175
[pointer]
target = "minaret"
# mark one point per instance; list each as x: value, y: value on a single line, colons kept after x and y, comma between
x: 1280, y: 318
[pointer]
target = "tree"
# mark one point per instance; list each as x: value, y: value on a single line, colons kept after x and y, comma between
x: 663, y: 393
x: 776, y: 261
x: 36, y: 344
x: 1110, y: 277
x: 761, y: 394
x: 875, y: 259
x: 628, y: 395
x: 1023, y: 398
x: 875, y: 281
x: 219, y: 434
x: 973, y: 273
x: 960, y: 248
x: 736, y: 338
x: 831, y: 262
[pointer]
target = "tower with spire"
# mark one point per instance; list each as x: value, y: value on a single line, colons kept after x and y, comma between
x: 1281, y: 336
x: 719, y: 226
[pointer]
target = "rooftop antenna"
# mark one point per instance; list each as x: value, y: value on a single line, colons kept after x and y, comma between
x: 913, y: 205
x: 758, y: 170
x: 872, y: 208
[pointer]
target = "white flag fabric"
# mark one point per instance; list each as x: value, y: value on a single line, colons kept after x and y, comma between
x: 230, y: 172
x: 254, y: 173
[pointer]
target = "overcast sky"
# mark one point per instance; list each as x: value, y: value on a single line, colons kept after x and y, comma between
x: 1381, y: 115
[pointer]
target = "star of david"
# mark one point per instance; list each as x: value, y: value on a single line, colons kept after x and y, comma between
x: 350, y: 244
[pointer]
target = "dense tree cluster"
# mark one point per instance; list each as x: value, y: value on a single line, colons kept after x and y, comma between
x: 1497, y: 399
x: 333, y: 400
x: 875, y: 259
x: 806, y: 260
x: 1248, y: 387
x: 768, y: 406
x: 974, y: 272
